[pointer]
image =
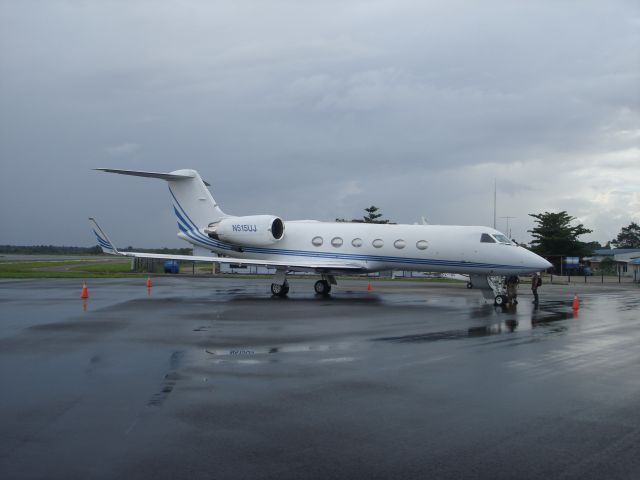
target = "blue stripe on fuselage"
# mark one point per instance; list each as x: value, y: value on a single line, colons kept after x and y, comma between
x: 189, y: 228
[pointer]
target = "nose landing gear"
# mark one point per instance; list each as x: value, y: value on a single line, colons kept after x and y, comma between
x: 501, y: 299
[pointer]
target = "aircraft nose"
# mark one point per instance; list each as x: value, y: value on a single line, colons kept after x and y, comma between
x: 540, y: 263
x: 535, y: 261
x: 545, y: 264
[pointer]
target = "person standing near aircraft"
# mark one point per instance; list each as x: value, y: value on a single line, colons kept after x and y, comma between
x: 512, y: 289
x: 535, y: 283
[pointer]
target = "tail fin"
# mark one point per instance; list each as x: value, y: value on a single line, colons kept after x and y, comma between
x: 105, y: 244
x: 192, y: 202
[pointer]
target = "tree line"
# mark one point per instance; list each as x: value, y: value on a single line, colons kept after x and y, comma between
x: 557, y: 234
x: 372, y: 216
x: 66, y: 250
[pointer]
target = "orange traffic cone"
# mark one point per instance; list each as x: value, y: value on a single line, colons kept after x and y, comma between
x: 576, y: 302
x: 369, y: 286
x: 85, y: 291
x: 149, y: 281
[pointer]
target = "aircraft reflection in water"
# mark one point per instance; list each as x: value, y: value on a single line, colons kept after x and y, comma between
x: 331, y: 249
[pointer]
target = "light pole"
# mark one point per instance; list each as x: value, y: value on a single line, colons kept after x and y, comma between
x: 495, y: 196
x: 508, y: 232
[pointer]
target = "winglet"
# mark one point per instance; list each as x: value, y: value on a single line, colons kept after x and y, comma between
x: 103, y: 240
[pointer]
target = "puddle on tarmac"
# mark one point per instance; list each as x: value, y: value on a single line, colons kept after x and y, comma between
x: 538, y: 319
x: 447, y: 334
x: 255, y: 351
x: 256, y: 355
x: 169, y: 381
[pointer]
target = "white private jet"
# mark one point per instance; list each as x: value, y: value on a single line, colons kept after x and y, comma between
x: 331, y: 248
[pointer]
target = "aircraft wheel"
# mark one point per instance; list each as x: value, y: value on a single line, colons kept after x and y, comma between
x: 279, y: 290
x: 322, y: 287
x: 469, y: 285
x: 501, y: 299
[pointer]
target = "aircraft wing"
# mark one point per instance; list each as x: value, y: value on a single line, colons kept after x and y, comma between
x: 292, y: 265
x: 302, y: 266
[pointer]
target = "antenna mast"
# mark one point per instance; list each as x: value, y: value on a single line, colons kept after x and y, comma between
x: 508, y: 231
x: 495, y: 189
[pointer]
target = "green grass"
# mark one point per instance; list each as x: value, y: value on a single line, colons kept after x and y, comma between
x: 106, y: 267
x: 89, y: 268
x: 20, y: 265
x: 97, y: 267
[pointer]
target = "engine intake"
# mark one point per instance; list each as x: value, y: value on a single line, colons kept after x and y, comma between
x: 254, y: 230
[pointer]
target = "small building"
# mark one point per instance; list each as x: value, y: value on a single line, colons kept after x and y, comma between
x: 622, y: 257
x: 635, y: 268
x: 246, y: 269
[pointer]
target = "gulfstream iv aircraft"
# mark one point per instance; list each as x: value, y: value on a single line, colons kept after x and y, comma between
x: 331, y: 248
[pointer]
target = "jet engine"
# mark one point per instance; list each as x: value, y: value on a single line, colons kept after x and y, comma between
x: 254, y: 230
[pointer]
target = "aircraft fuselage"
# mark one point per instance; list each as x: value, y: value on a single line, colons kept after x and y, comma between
x: 377, y: 247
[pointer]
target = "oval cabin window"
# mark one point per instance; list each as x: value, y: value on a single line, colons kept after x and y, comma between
x: 336, y: 242
x: 317, y: 241
x: 422, y: 244
x: 378, y: 243
x: 356, y: 242
x: 399, y: 244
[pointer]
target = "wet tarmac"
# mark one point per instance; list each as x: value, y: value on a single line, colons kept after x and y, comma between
x: 212, y: 378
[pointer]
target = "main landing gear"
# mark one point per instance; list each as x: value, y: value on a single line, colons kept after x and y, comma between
x: 280, y: 290
x: 280, y: 286
x: 322, y: 287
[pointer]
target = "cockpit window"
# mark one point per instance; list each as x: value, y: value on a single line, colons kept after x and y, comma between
x: 502, y: 239
x: 486, y: 238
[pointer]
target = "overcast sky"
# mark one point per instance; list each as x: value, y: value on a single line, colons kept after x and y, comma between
x: 316, y: 110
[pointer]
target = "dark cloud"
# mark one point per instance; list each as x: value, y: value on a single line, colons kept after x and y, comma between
x: 316, y: 111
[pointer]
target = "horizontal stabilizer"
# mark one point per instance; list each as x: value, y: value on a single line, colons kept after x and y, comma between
x: 163, y: 176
